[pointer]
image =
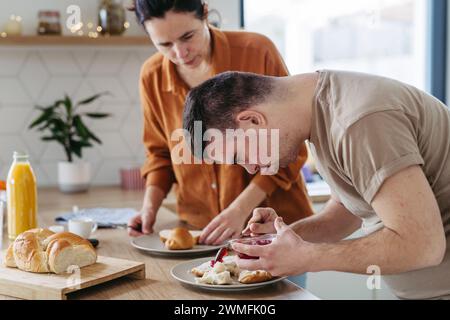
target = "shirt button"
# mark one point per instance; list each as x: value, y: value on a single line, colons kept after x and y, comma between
x: 214, y: 186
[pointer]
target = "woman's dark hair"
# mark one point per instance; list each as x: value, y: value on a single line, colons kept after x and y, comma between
x: 149, y: 9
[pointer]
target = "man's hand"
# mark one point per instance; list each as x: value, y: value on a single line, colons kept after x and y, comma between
x: 228, y: 224
x: 261, y: 222
x: 287, y: 255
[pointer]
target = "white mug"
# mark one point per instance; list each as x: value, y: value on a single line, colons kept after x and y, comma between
x: 82, y: 227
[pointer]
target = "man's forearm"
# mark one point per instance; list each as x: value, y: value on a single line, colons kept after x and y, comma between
x: 385, y: 249
x: 332, y: 224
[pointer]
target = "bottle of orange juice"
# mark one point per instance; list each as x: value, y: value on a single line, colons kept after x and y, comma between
x: 21, y: 193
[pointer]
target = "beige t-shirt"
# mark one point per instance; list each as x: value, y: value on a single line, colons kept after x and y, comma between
x: 367, y: 128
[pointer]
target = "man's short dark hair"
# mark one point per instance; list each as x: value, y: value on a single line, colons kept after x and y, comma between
x: 218, y: 101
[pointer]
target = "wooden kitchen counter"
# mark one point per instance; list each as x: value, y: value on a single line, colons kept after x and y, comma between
x: 159, y: 284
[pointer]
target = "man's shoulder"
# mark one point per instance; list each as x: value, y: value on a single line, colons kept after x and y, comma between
x: 354, y: 96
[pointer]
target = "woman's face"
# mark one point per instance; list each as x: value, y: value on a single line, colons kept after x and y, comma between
x: 181, y: 37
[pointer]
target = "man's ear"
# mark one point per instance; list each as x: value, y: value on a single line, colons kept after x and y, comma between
x: 250, y: 118
x: 205, y: 10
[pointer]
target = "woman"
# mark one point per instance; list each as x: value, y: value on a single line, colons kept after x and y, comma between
x: 215, y: 198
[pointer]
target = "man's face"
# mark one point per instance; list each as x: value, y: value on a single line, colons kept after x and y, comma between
x: 274, y: 150
x: 257, y: 150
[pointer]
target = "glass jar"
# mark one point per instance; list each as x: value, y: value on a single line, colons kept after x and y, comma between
x: 21, y: 196
x: 2, y: 218
x: 111, y: 17
x: 49, y: 23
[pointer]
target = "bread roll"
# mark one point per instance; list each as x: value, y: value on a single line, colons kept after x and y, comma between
x: 179, y: 238
x: 43, y: 251
x: 248, y: 277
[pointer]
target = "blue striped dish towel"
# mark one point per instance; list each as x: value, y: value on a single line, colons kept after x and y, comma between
x: 105, y: 217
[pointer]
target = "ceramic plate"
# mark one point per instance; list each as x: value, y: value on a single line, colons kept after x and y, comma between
x: 182, y: 273
x: 153, y: 244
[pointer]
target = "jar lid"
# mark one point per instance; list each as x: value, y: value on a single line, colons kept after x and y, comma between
x: 19, y: 155
x: 48, y: 13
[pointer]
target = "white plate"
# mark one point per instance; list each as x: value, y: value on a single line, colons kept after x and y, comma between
x: 182, y: 273
x: 153, y: 244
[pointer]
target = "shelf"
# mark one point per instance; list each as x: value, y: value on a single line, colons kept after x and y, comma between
x: 75, y: 41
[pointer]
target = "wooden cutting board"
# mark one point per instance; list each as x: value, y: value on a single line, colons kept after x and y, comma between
x: 34, y: 286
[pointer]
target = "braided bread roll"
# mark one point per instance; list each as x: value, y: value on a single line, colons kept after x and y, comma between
x: 43, y: 251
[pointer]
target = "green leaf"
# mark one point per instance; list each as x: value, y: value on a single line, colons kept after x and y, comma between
x: 92, y: 99
x: 54, y: 138
x: 77, y: 146
x: 44, y: 117
x: 52, y: 107
x: 83, y: 131
x: 68, y: 104
x: 76, y: 149
x: 57, y: 125
x: 80, y: 128
x: 97, y: 115
x: 49, y: 138
x: 85, y: 144
x: 57, y: 104
x: 94, y: 137
x: 45, y: 126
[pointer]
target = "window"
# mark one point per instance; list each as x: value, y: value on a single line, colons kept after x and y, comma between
x: 384, y: 37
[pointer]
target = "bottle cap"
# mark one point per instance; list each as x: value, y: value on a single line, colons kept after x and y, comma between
x: 20, y: 155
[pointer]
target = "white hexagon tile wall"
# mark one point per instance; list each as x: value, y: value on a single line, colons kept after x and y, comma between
x: 40, y: 75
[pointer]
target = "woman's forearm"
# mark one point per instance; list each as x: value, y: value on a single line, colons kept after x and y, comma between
x: 249, y: 199
x: 153, y: 198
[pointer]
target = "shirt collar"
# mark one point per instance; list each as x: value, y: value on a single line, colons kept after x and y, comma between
x: 221, y: 62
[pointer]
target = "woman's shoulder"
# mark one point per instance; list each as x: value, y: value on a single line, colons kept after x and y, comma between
x: 153, y: 65
x: 246, y: 39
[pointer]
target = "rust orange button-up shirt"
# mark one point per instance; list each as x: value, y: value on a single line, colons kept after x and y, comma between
x: 203, y: 191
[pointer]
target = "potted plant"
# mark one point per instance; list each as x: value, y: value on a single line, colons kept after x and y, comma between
x: 63, y: 122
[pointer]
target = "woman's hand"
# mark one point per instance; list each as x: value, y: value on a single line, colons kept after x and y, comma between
x: 142, y: 223
x: 287, y: 255
x: 261, y: 222
x: 228, y: 224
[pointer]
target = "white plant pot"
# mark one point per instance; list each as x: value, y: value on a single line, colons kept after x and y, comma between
x: 74, y: 177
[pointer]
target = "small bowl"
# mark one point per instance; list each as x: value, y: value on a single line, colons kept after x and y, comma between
x: 253, y: 241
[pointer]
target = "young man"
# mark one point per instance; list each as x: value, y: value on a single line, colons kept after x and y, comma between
x: 382, y: 146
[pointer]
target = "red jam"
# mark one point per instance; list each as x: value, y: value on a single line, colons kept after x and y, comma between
x: 253, y: 242
x: 223, y: 253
